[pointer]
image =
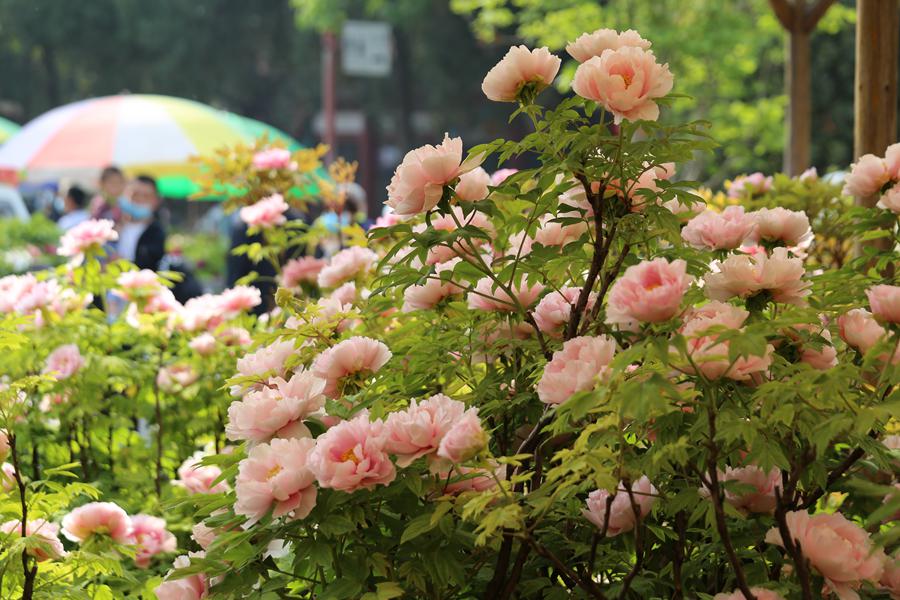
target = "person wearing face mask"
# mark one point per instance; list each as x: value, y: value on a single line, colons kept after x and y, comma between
x: 105, y: 205
x: 73, y: 208
x: 142, y: 239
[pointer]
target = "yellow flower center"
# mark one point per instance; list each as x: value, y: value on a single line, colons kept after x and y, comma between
x: 627, y: 78
x: 273, y: 472
x: 349, y: 454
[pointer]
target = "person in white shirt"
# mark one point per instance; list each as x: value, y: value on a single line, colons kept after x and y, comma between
x: 74, y: 208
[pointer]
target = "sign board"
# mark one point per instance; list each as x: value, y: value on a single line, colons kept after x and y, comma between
x: 366, y: 48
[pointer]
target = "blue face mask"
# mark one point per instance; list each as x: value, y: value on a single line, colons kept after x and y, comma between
x: 138, y: 212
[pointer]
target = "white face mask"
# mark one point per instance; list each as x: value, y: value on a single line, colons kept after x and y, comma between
x: 59, y: 204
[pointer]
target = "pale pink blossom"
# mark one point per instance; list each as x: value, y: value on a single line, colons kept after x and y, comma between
x: 520, y: 67
x: 890, y: 200
x: 204, y: 344
x: 4, y: 445
x: 266, y: 359
x: 351, y: 455
x: 884, y: 300
x: 890, y: 580
x: 7, y: 477
x: 266, y: 213
x: 622, y: 517
x: 175, y: 377
x: 719, y: 231
x: 272, y: 158
x: 473, y: 186
x: 418, y: 183
x: 822, y: 358
x: 265, y: 413
x: 387, y: 220
x: 840, y: 550
x: 301, y: 270
x: 859, y: 329
x: 578, y: 367
x: 202, y: 312
x: 346, y: 264
x: 589, y: 45
x: 88, y: 235
x: 648, y: 292
x: 709, y: 354
x: 867, y: 176
x: 759, y: 593
x: 139, y: 285
x: 418, y: 430
x: 192, y: 587
x: 552, y: 313
x: 471, y: 479
x: 753, y: 184
x: 788, y: 227
x: 501, y: 175
x: 625, y: 82
x: 742, y: 276
x: 64, y: 362
x: 240, y: 298
x: 429, y: 294
x: 486, y: 296
x: 760, y: 497
x: 47, y: 533
x: 276, y: 476
x: 464, y: 439
x: 460, y: 247
x: 346, y: 294
x: 684, y: 210
x: 198, y: 478
x: 150, y: 538
x: 234, y: 336
x: 98, y: 518
x: 354, y: 356
x: 551, y: 232
x: 204, y: 535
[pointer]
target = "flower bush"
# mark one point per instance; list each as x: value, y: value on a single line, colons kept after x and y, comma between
x: 575, y: 380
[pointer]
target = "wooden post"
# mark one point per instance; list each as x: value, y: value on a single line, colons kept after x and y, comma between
x: 329, y: 93
x: 799, y: 19
x: 875, y: 101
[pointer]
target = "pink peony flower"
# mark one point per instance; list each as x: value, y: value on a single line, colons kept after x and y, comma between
x: 387, y: 220
x: 418, y: 183
x: 151, y: 538
x: 429, y: 294
x: 890, y: 200
x: 789, y: 227
x: 47, y: 533
x: 272, y: 158
x: 203, y: 535
x: 719, y: 231
x: 264, y: 413
x: 860, y: 329
x: 4, y: 445
x: 139, y: 285
x: 345, y: 265
x: 460, y: 247
x: 884, y: 300
x: 553, y: 233
x: 470, y: 479
x: 622, y: 516
x: 88, y: 235
x: 346, y: 294
x: 760, y: 593
x: 625, y: 82
x: 354, y: 355
x: 708, y: 354
x: 890, y: 581
x: 575, y: 368
x: 487, y: 297
x: 501, y: 175
x: 197, y: 478
x: 589, y: 45
x: 742, y: 276
x: 761, y: 499
x: 464, y: 439
x: 276, y: 475
x: 553, y: 311
x: 473, y: 186
x: 266, y: 359
x: 301, y: 270
x: 867, y: 176
x: 822, y: 358
x: 234, y: 336
x: 98, y: 518
x: 176, y: 377
x: 64, y: 362
x: 520, y: 68
x: 837, y: 548
x: 266, y: 213
x: 238, y: 299
x: 192, y: 587
x: 351, y: 455
x: 648, y: 292
x: 204, y: 344
x: 754, y: 184
x: 7, y: 477
x: 418, y: 430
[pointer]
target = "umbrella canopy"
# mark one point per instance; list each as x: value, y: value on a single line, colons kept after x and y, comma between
x: 143, y: 133
x: 7, y: 129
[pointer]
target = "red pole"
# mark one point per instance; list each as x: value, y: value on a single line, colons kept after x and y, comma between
x: 329, y: 102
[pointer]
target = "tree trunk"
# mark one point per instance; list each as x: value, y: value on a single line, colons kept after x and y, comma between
x: 798, y: 83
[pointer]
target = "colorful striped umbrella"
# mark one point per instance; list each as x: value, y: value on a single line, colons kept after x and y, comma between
x: 142, y: 133
x: 7, y: 129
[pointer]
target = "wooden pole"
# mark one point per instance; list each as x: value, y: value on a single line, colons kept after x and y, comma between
x: 329, y: 93
x: 875, y: 101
